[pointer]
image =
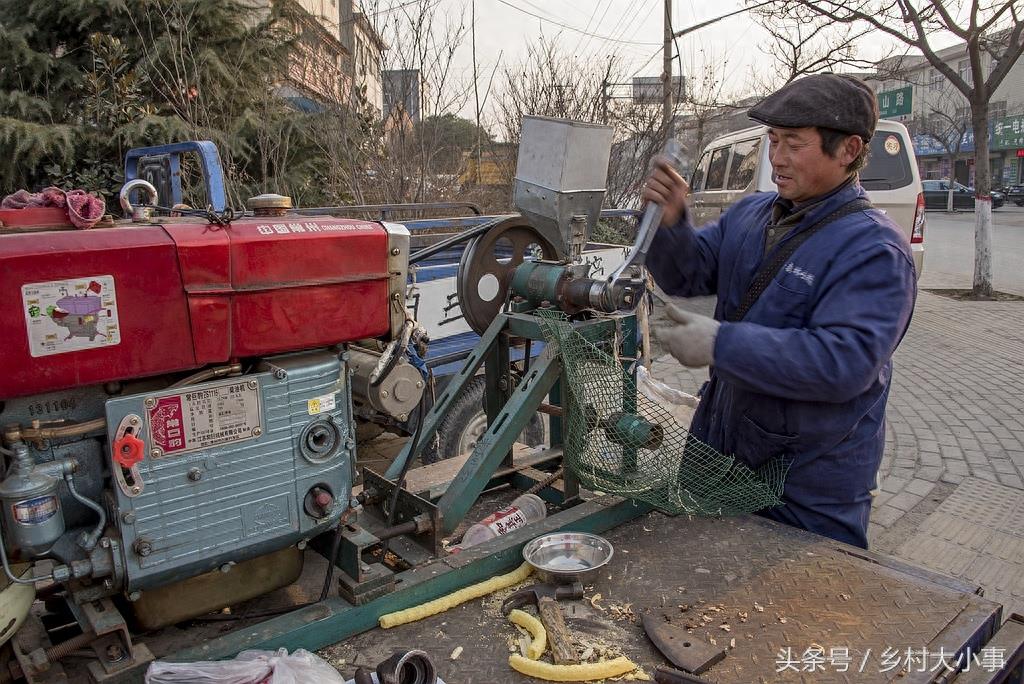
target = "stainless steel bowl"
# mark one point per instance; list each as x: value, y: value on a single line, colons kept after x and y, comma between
x: 564, y: 557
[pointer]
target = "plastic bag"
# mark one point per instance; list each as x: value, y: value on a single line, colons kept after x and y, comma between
x: 659, y: 392
x: 249, y: 667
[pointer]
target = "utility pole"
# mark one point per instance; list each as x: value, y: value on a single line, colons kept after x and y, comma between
x: 476, y: 97
x: 666, y: 72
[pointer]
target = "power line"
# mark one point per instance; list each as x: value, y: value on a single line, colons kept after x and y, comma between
x: 572, y: 28
x: 628, y: 25
x: 649, y: 60
x: 579, y: 41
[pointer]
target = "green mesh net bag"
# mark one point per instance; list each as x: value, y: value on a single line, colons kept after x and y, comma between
x: 618, y: 441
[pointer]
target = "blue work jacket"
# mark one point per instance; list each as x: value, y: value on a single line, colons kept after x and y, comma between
x: 805, y: 375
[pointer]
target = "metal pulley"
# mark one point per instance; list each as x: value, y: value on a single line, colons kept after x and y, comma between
x: 488, y: 264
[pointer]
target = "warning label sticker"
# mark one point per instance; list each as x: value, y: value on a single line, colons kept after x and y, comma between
x: 70, y: 315
x: 321, y: 404
x: 205, y: 417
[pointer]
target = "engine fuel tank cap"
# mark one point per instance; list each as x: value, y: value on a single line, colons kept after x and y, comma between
x: 269, y: 204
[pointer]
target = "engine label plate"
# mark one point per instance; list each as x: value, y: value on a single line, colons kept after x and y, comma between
x: 35, y: 511
x: 64, y: 316
x: 204, y: 417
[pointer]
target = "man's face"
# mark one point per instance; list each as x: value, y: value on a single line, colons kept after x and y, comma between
x: 801, y: 169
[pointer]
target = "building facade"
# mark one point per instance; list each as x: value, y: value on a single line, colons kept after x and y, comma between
x: 337, y: 51
x: 912, y: 91
x: 403, y: 93
x: 316, y: 68
x: 366, y: 49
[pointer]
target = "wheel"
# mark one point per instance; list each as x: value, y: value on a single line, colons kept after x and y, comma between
x: 488, y: 263
x: 466, y: 423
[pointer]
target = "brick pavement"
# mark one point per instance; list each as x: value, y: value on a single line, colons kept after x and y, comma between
x: 951, y: 484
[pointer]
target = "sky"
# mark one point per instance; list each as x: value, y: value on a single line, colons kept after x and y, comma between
x: 594, y: 29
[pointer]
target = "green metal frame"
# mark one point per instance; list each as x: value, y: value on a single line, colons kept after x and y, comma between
x: 509, y: 409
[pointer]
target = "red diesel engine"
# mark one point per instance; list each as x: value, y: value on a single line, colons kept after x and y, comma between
x: 176, y: 408
x: 87, y: 307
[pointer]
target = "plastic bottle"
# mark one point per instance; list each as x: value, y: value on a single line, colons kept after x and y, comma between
x: 523, y: 510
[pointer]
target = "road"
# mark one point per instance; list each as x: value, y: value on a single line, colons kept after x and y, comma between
x: 949, y: 249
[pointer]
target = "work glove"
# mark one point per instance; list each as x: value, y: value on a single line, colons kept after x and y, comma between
x: 692, y: 341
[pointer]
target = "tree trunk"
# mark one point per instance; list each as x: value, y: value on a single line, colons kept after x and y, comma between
x: 982, y: 201
x: 952, y: 181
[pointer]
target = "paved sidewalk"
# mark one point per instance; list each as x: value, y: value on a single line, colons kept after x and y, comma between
x: 951, y: 491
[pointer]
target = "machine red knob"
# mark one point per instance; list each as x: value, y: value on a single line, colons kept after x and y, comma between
x: 128, y: 450
x: 323, y: 500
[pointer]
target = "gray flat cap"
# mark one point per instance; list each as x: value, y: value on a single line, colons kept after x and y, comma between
x: 833, y: 101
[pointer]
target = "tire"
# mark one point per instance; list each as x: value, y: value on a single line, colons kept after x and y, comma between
x: 467, y: 421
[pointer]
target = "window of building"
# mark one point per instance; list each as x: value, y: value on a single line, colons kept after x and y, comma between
x: 964, y: 70
x: 935, y: 82
x: 997, y: 110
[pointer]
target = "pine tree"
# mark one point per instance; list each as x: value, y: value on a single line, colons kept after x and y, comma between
x: 44, y: 59
x: 82, y: 81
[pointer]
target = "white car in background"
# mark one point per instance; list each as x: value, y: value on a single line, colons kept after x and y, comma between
x: 736, y: 165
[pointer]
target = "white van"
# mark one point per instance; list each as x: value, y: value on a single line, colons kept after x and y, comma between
x: 736, y: 165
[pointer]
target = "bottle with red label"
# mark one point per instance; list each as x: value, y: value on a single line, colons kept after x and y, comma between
x: 523, y: 510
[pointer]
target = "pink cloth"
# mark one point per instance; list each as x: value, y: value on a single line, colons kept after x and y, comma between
x: 84, y: 209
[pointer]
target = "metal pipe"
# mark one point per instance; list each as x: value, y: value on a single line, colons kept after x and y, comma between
x: 10, y: 574
x: 90, y: 539
x: 408, y: 527
x: 384, y: 209
x: 551, y: 410
x: 18, y: 433
x: 208, y: 374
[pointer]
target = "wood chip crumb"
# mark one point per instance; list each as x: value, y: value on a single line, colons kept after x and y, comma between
x: 732, y: 642
x: 724, y: 627
x: 782, y: 619
x: 844, y: 597
x: 758, y: 607
x: 456, y: 652
x: 742, y: 616
x: 595, y: 600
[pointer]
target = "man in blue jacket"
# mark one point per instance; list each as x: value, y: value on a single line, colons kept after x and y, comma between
x: 801, y: 343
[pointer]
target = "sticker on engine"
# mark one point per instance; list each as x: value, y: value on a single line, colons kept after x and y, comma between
x: 70, y: 315
x: 36, y: 510
x: 322, y: 404
x: 204, y: 417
